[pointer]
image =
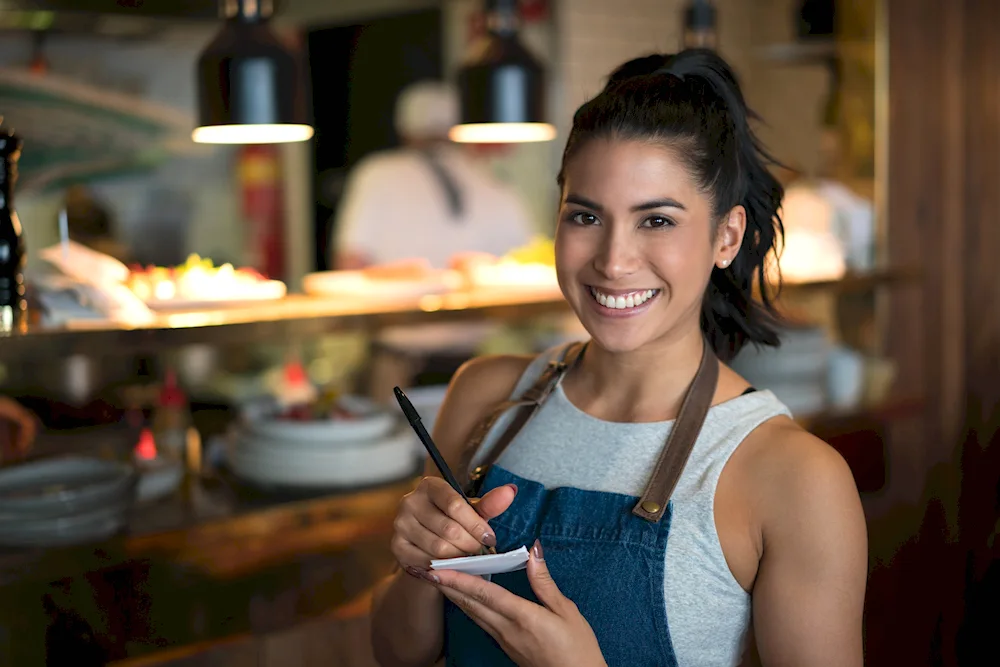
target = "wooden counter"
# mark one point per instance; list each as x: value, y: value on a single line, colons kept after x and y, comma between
x: 255, y: 573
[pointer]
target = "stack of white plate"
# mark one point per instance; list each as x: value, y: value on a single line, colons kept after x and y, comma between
x: 64, y: 501
x: 796, y: 372
x: 334, y: 453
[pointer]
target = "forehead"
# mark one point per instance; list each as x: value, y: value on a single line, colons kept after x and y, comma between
x: 613, y: 170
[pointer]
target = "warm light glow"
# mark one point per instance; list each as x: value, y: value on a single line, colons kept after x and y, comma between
x: 502, y: 133
x: 284, y: 133
x: 145, y: 449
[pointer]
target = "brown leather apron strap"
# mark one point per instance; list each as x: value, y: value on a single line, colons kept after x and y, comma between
x: 527, y: 405
x: 681, y: 440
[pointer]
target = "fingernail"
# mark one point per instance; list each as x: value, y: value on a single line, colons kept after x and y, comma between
x: 513, y: 486
x: 421, y: 573
x: 536, y: 550
x: 489, y: 539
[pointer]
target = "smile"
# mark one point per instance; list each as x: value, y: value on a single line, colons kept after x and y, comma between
x: 624, y: 300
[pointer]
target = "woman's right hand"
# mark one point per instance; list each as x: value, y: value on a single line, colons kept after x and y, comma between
x: 435, y: 522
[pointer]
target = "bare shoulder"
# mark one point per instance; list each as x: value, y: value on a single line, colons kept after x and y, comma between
x: 788, y: 461
x: 478, y: 386
x: 800, y: 481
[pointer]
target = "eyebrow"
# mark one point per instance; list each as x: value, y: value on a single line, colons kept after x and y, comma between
x: 666, y: 202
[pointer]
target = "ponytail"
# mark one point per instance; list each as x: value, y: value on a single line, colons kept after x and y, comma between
x: 693, y: 100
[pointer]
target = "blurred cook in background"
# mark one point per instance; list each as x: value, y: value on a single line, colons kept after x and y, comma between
x: 428, y: 199
x: 17, y: 430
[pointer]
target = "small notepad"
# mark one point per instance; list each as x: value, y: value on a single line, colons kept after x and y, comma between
x: 512, y: 561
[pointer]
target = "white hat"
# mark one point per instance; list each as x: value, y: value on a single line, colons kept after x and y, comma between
x: 426, y: 110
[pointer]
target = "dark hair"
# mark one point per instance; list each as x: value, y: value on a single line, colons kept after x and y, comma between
x: 692, y: 101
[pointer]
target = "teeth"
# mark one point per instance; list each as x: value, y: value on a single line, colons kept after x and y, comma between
x: 623, y: 301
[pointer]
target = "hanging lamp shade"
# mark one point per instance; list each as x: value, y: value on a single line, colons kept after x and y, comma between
x: 502, y: 86
x: 249, y: 87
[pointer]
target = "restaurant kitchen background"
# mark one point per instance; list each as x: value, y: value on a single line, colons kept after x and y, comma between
x: 219, y: 457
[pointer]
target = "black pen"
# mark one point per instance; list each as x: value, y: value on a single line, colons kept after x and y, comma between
x: 413, y: 417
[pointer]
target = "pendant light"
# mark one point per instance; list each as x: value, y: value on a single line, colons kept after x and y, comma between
x: 502, y: 86
x: 249, y: 86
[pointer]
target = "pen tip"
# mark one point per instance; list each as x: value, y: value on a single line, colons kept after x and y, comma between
x: 398, y: 392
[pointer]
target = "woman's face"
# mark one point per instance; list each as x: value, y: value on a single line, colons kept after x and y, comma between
x: 636, y: 243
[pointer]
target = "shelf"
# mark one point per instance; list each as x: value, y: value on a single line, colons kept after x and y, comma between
x: 843, y: 420
x: 852, y: 282
x: 295, y: 317
x: 74, y: 131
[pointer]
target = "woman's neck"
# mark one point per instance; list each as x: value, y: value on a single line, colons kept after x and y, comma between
x: 648, y: 384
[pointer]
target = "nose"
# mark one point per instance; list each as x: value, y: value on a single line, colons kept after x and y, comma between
x: 617, y: 256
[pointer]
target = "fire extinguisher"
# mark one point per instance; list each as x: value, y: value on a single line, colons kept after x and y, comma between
x: 259, y: 174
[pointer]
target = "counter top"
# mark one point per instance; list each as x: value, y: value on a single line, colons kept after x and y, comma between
x: 296, y: 316
x: 249, y: 573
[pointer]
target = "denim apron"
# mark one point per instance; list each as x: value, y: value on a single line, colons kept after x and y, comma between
x: 605, y: 551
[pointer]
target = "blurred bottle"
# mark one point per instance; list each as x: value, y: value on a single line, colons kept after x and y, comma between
x: 699, y: 25
x: 171, y: 419
x: 13, y: 307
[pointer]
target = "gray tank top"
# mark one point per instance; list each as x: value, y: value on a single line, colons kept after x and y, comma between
x: 562, y: 446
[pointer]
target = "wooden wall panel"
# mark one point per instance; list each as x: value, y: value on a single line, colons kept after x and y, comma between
x: 982, y: 202
x: 925, y: 229
x: 943, y: 208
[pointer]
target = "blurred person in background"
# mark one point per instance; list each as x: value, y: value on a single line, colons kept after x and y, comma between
x: 429, y: 199
x: 91, y: 224
x: 17, y: 430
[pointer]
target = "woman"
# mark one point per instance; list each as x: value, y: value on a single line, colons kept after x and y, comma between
x: 668, y: 212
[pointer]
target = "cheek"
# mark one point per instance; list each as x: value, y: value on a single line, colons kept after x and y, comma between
x: 571, y: 249
x: 683, y: 261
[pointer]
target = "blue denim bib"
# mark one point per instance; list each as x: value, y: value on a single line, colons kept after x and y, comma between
x: 604, y: 558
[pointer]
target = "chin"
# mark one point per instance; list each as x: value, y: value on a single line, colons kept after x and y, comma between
x: 619, y: 335
x: 618, y: 341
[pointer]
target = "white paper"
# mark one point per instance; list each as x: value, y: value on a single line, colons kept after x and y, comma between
x: 512, y: 561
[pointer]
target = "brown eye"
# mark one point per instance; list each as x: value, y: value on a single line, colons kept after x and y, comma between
x: 657, y: 221
x: 585, y: 219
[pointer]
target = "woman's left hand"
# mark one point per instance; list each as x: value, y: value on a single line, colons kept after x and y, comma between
x: 532, y: 635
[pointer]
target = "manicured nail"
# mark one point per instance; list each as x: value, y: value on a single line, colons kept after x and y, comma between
x: 421, y: 573
x: 536, y: 550
x: 489, y: 539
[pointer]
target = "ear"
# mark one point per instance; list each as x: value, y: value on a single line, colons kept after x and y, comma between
x: 729, y: 236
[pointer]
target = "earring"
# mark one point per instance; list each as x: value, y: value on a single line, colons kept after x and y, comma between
x: 725, y: 263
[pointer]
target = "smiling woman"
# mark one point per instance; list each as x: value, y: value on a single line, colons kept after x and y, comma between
x: 667, y: 502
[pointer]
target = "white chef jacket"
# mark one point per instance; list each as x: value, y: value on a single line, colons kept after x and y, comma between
x: 394, y: 207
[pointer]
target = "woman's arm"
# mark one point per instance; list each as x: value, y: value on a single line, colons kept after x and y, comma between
x: 407, y: 613
x: 808, y: 596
